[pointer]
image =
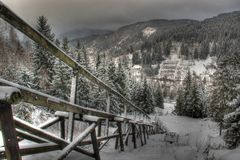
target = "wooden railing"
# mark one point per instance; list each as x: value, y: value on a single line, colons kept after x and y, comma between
x: 13, y: 127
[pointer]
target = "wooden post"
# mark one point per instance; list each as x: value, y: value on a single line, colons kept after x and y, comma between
x: 134, y: 136
x: 99, y: 128
x: 116, y: 142
x: 125, y: 116
x: 95, y: 145
x: 71, y: 115
x: 119, y: 124
x: 108, y: 111
x: 147, y: 131
x: 140, y: 134
x: 62, y: 127
x: 144, y: 134
x: 9, y: 132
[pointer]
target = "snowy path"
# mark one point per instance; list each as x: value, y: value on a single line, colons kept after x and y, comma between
x: 155, y: 149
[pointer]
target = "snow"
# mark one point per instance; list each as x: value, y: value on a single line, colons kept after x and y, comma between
x: 226, y: 154
x: 200, y: 65
x: 6, y: 92
x: 148, y: 31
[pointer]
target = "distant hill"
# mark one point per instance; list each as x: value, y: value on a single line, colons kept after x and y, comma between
x: 220, y: 29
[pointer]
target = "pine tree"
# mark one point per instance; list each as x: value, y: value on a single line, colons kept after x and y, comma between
x: 43, y: 61
x: 83, y: 86
x: 232, y: 127
x: 179, y: 108
x: 187, y: 94
x: 146, y: 98
x: 197, y: 105
x: 158, y: 98
x: 62, y: 75
x: 223, y: 89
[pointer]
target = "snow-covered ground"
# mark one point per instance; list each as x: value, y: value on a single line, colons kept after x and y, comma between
x: 198, y: 139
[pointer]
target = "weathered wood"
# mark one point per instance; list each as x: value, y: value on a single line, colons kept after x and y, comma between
x: 9, y: 132
x: 127, y: 135
x: 144, y: 134
x: 95, y: 145
x: 21, y: 25
x: 74, y: 144
x: 30, y: 137
x: 41, y: 133
x: 49, y: 123
x: 62, y: 128
x: 40, y: 99
x: 134, y: 135
x: 108, y: 100
x: 99, y: 128
x: 71, y: 114
x: 147, y: 131
x: 116, y: 142
x: 33, y: 149
x: 119, y: 124
x: 140, y: 135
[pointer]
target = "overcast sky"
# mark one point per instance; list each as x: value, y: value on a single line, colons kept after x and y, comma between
x: 67, y: 15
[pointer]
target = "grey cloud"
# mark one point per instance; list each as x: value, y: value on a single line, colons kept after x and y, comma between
x: 111, y: 14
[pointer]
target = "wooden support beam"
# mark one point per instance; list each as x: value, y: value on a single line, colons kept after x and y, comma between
x: 147, y: 131
x: 33, y: 149
x: 30, y: 137
x: 134, y: 135
x: 119, y: 124
x: 108, y: 100
x: 49, y: 123
x: 140, y: 135
x: 75, y: 143
x: 71, y: 114
x: 127, y: 135
x: 144, y: 134
x: 95, y: 145
x: 9, y: 132
x: 99, y: 128
x: 41, y: 133
x: 62, y: 127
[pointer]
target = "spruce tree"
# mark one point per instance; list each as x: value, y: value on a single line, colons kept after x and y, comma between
x: 62, y: 77
x: 43, y: 61
x: 146, y: 98
x: 158, y: 98
x: 223, y: 89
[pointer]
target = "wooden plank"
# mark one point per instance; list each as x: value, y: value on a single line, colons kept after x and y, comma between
x: 13, y: 19
x: 127, y: 135
x: 119, y: 124
x: 74, y: 144
x: 8, y: 132
x: 62, y: 127
x: 41, y: 133
x: 71, y: 114
x: 30, y: 137
x: 49, y: 123
x: 33, y: 149
x: 144, y: 134
x: 40, y: 99
x: 140, y: 135
x: 134, y: 135
x: 108, y: 100
x: 99, y: 128
x: 95, y: 145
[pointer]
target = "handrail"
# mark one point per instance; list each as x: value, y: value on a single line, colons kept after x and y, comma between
x: 41, y: 99
x: 13, y: 19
